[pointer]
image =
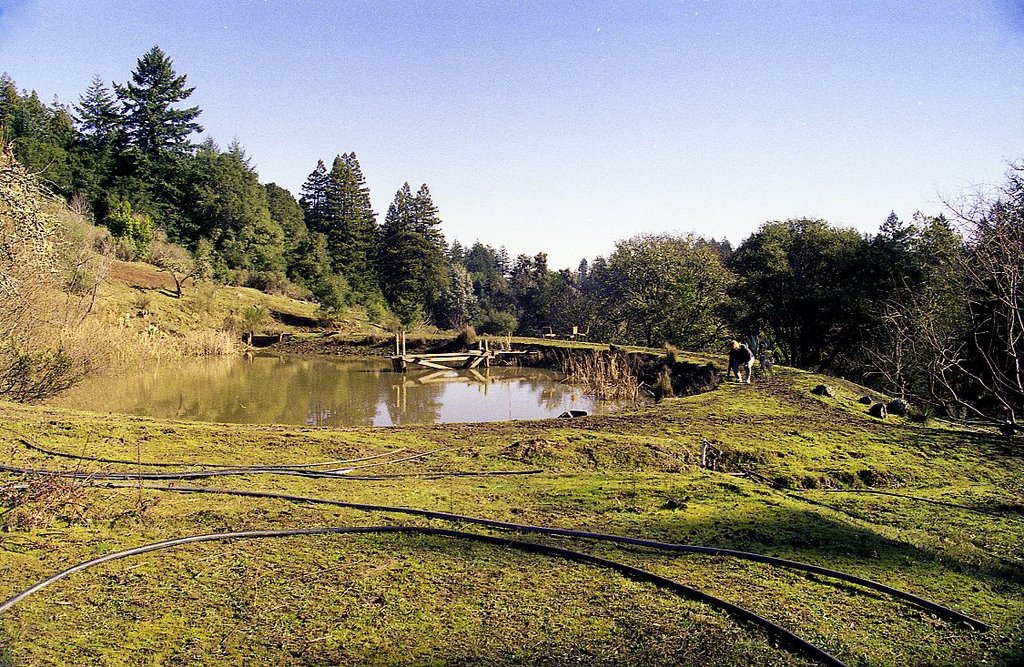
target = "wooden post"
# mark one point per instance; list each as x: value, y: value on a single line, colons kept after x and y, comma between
x: 403, y: 342
x: 397, y: 349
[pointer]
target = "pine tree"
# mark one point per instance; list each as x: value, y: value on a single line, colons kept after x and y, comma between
x: 427, y: 224
x: 412, y: 254
x: 313, y: 198
x: 504, y: 263
x: 42, y: 135
x: 99, y: 119
x: 151, y: 123
x: 339, y: 206
x: 10, y: 101
x: 456, y: 253
x: 363, y: 230
x: 231, y: 210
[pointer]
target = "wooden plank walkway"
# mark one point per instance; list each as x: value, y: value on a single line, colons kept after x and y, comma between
x: 444, y: 361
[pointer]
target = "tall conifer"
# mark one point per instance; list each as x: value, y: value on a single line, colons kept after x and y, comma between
x: 413, y: 260
x: 313, y: 198
x: 99, y: 119
x: 152, y: 124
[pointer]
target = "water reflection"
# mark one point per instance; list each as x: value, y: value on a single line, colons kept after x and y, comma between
x: 330, y: 392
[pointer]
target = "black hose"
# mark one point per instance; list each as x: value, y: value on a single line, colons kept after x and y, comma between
x: 937, y: 609
x: 784, y: 636
x: 224, y: 472
x: 165, y: 464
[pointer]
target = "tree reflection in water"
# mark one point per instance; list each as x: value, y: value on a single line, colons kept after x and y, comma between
x: 327, y: 392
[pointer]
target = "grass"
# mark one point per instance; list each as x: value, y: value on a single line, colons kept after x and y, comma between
x: 426, y: 600
x: 138, y: 294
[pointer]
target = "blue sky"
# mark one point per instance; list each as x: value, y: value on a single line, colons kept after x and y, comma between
x: 565, y: 127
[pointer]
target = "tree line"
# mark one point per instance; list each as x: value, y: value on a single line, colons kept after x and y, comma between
x: 927, y: 308
x: 125, y: 155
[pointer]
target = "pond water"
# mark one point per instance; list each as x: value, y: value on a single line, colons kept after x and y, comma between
x: 319, y: 391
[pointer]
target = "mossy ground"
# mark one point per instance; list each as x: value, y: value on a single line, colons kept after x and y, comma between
x: 412, y: 600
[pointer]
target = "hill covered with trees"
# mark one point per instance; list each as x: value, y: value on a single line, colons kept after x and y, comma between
x: 927, y: 308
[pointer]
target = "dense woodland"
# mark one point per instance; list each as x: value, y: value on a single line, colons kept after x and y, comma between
x: 928, y: 308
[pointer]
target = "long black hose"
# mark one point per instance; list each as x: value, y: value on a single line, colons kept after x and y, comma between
x: 166, y: 464
x: 225, y: 472
x: 935, y: 608
x: 784, y: 636
x: 282, y: 466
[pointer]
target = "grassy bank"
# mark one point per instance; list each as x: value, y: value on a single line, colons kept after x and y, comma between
x: 404, y: 599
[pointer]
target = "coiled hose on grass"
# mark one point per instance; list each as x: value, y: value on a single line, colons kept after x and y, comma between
x: 784, y: 636
x: 932, y: 607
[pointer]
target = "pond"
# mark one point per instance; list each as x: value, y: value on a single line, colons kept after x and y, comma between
x: 322, y: 391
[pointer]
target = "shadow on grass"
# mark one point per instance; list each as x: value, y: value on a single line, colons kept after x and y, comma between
x: 809, y: 536
x: 1014, y: 653
x: 981, y: 444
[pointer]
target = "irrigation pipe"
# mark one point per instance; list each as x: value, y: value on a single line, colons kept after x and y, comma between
x: 226, y: 472
x: 800, y: 494
x: 784, y: 636
x: 935, y: 608
x: 166, y: 464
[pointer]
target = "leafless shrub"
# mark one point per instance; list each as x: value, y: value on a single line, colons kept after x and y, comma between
x: 173, y: 260
x: 36, y: 501
x: 983, y: 371
x: 48, y: 285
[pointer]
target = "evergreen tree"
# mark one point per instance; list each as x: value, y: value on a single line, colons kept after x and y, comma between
x: 231, y: 209
x: 310, y: 264
x: 456, y: 253
x: 482, y: 261
x: 10, y: 101
x: 313, y: 198
x: 99, y: 119
x: 663, y: 289
x: 456, y: 304
x: 490, y: 286
x: 412, y: 254
x: 801, y: 283
x: 365, y: 227
x: 151, y: 123
x: 98, y: 125
x: 287, y: 213
x: 42, y: 136
x: 350, y: 224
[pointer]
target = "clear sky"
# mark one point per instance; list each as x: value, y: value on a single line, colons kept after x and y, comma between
x: 566, y: 126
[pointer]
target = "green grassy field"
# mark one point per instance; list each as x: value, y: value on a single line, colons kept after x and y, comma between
x: 430, y: 600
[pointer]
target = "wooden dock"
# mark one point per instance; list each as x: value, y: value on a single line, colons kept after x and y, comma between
x: 445, y: 361
x: 442, y: 362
